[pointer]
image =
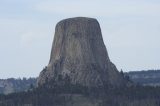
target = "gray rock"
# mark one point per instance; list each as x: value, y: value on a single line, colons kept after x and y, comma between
x: 78, y: 51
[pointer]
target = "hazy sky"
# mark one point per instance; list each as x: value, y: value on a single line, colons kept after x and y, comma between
x: 130, y: 28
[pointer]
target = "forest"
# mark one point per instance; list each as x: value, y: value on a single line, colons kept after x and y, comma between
x: 63, y: 93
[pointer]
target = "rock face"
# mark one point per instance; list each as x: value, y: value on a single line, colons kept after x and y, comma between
x: 78, y: 51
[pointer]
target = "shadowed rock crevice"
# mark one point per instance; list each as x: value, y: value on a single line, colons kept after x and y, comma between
x: 78, y: 51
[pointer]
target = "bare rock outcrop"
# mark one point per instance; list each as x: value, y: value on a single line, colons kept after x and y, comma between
x: 78, y: 51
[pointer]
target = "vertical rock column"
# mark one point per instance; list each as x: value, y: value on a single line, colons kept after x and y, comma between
x: 78, y: 51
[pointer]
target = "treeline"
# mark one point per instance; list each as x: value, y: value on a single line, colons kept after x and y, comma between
x: 62, y: 93
x: 11, y: 85
x: 148, y: 77
x: 144, y: 77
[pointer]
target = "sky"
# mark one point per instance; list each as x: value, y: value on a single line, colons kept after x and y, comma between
x: 130, y: 29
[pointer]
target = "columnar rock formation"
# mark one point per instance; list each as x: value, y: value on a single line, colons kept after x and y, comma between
x: 78, y: 51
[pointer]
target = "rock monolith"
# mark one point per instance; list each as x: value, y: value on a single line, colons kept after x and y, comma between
x: 78, y: 52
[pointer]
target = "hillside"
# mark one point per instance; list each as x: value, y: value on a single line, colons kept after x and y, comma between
x: 145, y: 77
x: 57, y: 94
x: 11, y: 85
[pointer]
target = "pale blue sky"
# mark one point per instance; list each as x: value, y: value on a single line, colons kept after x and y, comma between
x: 130, y: 28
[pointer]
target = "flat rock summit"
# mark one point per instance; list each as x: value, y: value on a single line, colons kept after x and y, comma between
x: 78, y: 52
